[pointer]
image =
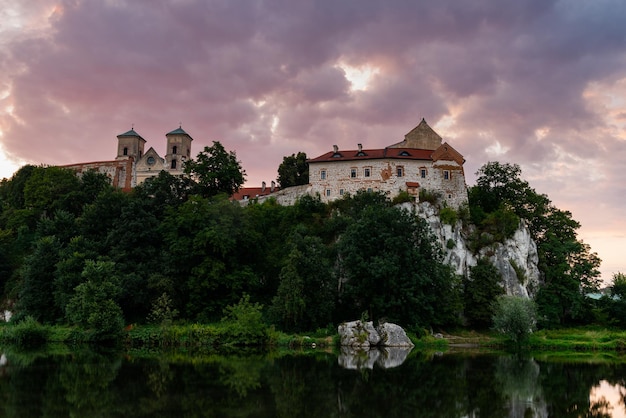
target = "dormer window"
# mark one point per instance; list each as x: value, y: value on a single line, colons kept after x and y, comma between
x: 404, y: 154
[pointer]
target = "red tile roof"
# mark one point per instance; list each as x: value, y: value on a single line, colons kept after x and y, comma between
x: 374, y: 154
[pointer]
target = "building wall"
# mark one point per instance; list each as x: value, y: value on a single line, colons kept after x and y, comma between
x: 384, y: 177
x: 120, y: 172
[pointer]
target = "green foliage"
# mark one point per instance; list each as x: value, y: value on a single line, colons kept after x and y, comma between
x: 94, y: 305
x: 162, y: 311
x: 569, y: 268
x: 448, y: 216
x: 306, y: 296
x: 215, y: 171
x: 26, y: 333
x: 519, y: 272
x: 481, y: 290
x: 37, y: 283
x: 614, y: 307
x: 293, y: 171
x: 429, y: 196
x: 392, y: 269
x: 402, y: 197
x: 515, y: 317
x: 245, y: 324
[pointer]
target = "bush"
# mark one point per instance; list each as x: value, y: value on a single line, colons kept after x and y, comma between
x: 515, y: 317
x: 448, y: 216
x: 244, y: 323
x: 402, y: 197
x: 428, y: 196
x: 27, y: 333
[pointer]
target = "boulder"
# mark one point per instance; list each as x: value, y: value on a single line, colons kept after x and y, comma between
x: 392, y: 335
x: 358, y: 334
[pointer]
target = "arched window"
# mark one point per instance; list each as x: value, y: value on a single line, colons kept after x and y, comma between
x: 173, y: 164
x: 125, y: 151
x: 174, y: 149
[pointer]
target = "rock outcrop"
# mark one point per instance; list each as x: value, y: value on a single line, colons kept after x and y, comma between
x: 363, y: 335
x: 516, y: 259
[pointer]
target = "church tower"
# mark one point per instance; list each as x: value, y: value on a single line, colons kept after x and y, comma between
x: 130, y: 144
x: 178, y: 150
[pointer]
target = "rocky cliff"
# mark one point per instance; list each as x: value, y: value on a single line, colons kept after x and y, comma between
x: 516, y: 258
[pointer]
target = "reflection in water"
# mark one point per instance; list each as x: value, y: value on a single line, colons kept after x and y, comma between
x: 386, y: 383
x: 384, y: 357
x: 610, y: 399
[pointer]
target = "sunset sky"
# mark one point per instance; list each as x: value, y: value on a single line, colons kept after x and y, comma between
x: 539, y: 83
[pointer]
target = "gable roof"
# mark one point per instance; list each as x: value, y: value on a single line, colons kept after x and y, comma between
x: 374, y: 154
x: 447, y: 153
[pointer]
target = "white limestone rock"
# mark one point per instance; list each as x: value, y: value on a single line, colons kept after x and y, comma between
x: 516, y: 259
x: 358, y: 334
x: 392, y: 335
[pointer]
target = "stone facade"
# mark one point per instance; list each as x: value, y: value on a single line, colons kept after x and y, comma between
x: 132, y: 166
x: 420, y: 162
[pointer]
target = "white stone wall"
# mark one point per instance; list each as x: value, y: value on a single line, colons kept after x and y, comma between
x: 383, y: 177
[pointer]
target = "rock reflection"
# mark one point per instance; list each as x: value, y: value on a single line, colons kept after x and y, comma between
x: 384, y: 357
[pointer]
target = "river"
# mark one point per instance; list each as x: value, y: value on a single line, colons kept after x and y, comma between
x: 60, y: 382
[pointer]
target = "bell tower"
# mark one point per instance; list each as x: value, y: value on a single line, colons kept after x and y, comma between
x: 178, y: 150
x: 130, y: 144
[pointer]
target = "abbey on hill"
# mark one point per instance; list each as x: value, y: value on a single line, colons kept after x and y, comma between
x: 421, y: 161
x: 133, y: 166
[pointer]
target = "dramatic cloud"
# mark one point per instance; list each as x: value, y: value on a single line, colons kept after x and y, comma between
x: 539, y: 83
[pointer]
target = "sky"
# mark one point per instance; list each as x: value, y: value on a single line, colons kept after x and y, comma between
x: 538, y: 83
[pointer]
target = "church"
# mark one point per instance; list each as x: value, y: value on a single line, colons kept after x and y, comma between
x: 133, y: 165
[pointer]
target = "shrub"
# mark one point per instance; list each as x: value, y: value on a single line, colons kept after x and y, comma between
x: 515, y: 317
x: 27, y: 333
x: 428, y: 196
x: 448, y: 216
x: 402, y: 197
x: 244, y: 323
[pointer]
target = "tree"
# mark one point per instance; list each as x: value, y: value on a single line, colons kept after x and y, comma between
x: 94, y: 304
x: 305, y: 299
x: 569, y: 269
x: 293, y: 171
x: 215, y: 171
x: 482, y: 288
x: 393, y: 270
x: 515, y: 317
x: 36, y: 288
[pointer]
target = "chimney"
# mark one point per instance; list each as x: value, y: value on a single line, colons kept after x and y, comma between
x: 262, y: 186
x: 335, y: 149
x: 273, y: 186
x: 360, y: 147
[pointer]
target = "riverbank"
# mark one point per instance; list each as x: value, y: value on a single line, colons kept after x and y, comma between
x: 570, y: 339
x: 30, y: 333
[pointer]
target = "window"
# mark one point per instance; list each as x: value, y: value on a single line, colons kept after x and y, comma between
x: 125, y: 151
x: 423, y: 173
x: 174, y: 149
x: 173, y: 164
x: 400, y: 171
x: 367, y: 172
x: 327, y: 192
x: 151, y: 160
x: 323, y: 175
x: 369, y: 190
x: 340, y: 192
x: 446, y: 174
x: 353, y: 173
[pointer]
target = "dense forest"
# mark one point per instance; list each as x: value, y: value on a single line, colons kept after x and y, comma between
x: 74, y: 250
